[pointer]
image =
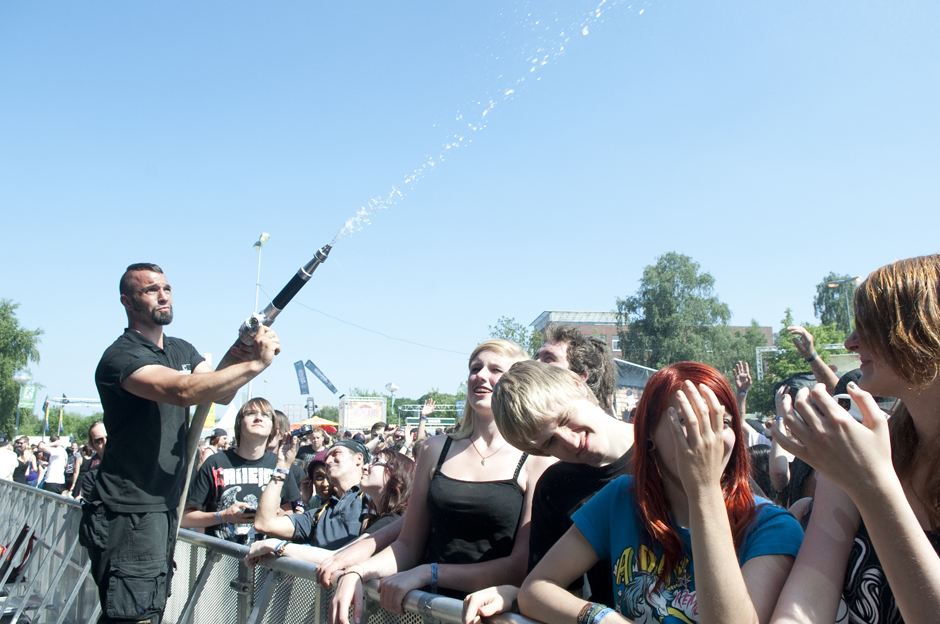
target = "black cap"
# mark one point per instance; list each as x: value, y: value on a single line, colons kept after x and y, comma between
x: 355, y: 447
x: 218, y: 432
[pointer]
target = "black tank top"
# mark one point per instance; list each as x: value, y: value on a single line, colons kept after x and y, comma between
x: 472, y: 521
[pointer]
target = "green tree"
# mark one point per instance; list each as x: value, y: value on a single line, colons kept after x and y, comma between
x: 18, y: 347
x: 508, y: 329
x: 329, y: 412
x: 833, y: 304
x: 674, y: 316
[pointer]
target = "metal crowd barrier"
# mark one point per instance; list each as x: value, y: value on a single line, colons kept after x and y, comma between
x: 51, y: 582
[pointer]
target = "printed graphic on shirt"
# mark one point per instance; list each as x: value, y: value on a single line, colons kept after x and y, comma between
x: 239, y: 485
x: 635, y: 576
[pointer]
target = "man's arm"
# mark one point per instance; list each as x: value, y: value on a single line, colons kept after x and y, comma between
x: 165, y: 385
x: 803, y: 341
x: 742, y: 383
x: 267, y: 519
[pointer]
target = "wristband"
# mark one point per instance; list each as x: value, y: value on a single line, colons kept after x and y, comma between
x: 278, y: 477
x: 282, y: 471
x: 422, y: 417
x: 810, y: 359
x: 589, y: 612
x: 353, y: 570
x: 600, y: 616
x: 219, y: 518
x: 433, y: 578
x: 279, y: 551
x: 743, y: 393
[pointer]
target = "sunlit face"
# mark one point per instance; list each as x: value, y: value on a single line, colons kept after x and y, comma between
x: 151, y: 300
x: 878, y: 377
x: 317, y: 439
x: 321, y: 482
x: 256, y: 422
x: 666, y: 444
x: 340, y: 461
x: 573, y: 434
x: 223, y: 443
x: 99, y: 437
x: 374, y: 477
x: 485, y: 370
x: 554, y: 353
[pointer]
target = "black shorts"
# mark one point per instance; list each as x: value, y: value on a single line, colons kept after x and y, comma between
x: 131, y: 561
x: 55, y: 488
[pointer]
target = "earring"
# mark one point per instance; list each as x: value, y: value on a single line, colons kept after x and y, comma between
x: 650, y: 445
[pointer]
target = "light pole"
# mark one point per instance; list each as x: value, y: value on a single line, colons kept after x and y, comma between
x: 392, y: 389
x: 257, y: 247
x: 22, y: 379
x: 846, y: 282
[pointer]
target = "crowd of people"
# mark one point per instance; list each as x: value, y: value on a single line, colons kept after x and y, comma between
x: 541, y: 500
x: 56, y: 465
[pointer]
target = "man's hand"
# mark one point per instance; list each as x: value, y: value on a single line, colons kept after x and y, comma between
x: 236, y: 514
x: 803, y: 341
x: 742, y: 376
x: 428, y: 408
x: 287, y: 450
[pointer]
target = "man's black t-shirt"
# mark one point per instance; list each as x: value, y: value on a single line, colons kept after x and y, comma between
x: 144, y: 467
x: 561, y: 490
x: 226, y: 478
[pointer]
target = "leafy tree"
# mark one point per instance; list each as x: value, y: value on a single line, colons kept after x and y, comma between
x: 674, y: 316
x: 788, y: 361
x: 18, y: 347
x: 329, y: 412
x: 508, y: 329
x: 830, y: 303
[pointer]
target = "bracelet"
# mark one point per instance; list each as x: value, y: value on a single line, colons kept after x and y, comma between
x: 281, y: 547
x: 422, y: 417
x: 351, y: 570
x: 600, y: 616
x: 433, y: 578
x: 589, y: 613
x: 278, y: 478
x: 282, y: 471
x: 810, y: 359
x: 219, y: 518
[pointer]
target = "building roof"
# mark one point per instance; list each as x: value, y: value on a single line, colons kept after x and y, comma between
x: 573, y: 317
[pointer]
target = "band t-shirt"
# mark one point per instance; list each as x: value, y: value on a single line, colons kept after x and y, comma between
x: 144, y: 468
x: 226, y: 478
x: 611, y: 525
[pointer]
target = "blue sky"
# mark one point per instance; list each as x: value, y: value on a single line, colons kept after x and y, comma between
x: 772, y: 142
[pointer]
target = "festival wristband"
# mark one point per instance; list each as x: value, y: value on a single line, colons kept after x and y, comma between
x: 433, y: 578
x: 219, y: 518
x: 281, y: 547
x: 282, y: 471
x: 810, y: 359
x: 589, y: 613
x: 600, y: 616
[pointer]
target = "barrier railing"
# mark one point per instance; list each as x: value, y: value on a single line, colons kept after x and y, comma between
x: 50, y: 582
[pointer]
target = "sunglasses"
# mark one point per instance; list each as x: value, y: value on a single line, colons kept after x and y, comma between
x: 377, y: 462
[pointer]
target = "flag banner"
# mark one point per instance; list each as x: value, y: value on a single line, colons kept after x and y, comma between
x: 316, y: 371
x: 27, y: 397
x: 302, y: 377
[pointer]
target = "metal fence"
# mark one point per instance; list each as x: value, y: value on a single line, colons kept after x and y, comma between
x: 50, y: 582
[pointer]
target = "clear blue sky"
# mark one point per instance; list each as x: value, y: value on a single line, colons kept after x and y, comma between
x: 772, y: 142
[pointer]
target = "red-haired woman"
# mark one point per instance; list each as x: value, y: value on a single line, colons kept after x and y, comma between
x: 687, y: 539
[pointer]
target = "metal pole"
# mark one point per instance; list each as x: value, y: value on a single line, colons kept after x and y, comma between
x: 255, y: 309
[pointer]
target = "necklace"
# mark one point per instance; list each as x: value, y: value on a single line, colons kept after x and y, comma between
x: 483, y: 457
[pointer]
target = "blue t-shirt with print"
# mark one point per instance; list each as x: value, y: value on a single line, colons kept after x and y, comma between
x: 611, y: 525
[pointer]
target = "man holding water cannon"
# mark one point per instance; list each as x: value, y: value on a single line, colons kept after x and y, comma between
x: 147, y: 383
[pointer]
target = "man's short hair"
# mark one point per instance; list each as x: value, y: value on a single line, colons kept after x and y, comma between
x: 588, y: 356
x: 93, y: 425
x: 54, y: 438
x: 528, y: 395
x: 379, y: 426
x: 139, y: 266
